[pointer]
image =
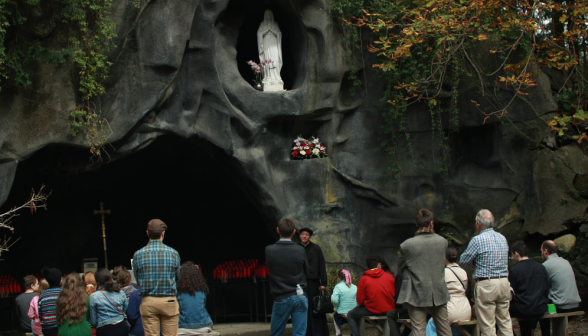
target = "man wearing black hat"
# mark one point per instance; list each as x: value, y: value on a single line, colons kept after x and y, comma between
x: 316, y: 280
x: 157, y: 270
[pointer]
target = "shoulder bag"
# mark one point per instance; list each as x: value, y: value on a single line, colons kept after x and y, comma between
x: 452, y: 271
x: 106, y: 296
x: 322, y: 304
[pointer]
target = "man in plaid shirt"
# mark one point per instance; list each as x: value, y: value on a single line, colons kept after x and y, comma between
x: 157, y: 270
x: 488, y: 254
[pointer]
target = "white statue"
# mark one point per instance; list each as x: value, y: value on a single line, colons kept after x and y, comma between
x: 269, y: 45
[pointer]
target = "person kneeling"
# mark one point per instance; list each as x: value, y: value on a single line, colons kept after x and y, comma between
x: 192, y: 290
x: 375, y: 294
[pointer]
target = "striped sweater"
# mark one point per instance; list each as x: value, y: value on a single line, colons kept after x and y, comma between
x: 47, y: 315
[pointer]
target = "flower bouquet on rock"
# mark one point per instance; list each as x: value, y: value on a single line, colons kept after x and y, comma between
x: 304, y: 149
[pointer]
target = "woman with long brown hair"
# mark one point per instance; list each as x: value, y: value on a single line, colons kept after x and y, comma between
x: 192, y: 291
x: 72, y: 308
x: 108, y: 306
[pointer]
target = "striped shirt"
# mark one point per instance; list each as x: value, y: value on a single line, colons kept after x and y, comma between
x: 47, y: 314
x: 157, y: 269
x: 489, y: 252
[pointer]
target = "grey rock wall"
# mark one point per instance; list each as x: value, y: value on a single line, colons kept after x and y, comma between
x: 175, y: 71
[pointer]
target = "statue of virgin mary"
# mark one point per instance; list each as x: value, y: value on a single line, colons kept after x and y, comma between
x: 269, y: 45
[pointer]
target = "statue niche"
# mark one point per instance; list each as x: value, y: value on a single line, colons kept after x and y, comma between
x: 269, y: 45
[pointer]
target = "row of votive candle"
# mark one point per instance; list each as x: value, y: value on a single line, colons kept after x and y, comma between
x: 240, y: 269
x: 9, y: 285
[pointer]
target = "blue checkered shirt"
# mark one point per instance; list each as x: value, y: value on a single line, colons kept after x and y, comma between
x: 489, y: 252
x: 157, y: 269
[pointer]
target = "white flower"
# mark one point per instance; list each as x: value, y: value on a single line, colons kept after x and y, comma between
x: 297, y: 143
x: 306, y: 147
x: 315, y: 151
x: 316, y: 140
x: 302, y: 153
x: 323, y: 148
x: 294, y: 148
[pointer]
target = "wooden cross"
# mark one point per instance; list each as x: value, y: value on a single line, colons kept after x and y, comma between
x: 102, y: 212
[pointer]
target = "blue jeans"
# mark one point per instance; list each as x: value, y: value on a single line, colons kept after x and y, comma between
x: 295, y: 306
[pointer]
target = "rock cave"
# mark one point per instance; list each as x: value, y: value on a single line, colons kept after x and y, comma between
x: 193, y: 143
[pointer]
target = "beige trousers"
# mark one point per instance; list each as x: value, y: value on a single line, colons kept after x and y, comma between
x: 492, y: 304
x: 159, y: 312
x: 418, y: 319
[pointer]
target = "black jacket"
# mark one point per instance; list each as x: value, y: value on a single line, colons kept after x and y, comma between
x: 317, y: 269
x: 530, y: 283
x: 287, y: 266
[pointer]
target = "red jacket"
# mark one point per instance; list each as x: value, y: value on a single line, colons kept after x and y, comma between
x: 376, y: 291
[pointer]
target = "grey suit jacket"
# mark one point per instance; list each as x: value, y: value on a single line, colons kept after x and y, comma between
x: 422, y: 262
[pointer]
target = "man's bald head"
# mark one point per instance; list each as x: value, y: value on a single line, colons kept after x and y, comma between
x: 485, y: 218
x: 550, y: 246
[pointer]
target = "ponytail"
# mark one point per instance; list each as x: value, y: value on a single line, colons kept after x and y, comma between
x: 103, y: 277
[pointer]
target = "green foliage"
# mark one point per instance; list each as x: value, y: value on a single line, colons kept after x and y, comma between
x: 78, y: 30
x: 425, y: 47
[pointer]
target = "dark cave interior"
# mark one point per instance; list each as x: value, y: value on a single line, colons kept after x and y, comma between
x: 210, y: 219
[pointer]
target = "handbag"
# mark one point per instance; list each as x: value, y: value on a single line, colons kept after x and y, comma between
x: 322, y: 304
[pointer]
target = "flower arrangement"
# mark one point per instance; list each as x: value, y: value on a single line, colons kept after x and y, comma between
x: 258, y: 68
x: 304, y: 149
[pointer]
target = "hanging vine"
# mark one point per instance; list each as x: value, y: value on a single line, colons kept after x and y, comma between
x: 80, y: 31
x: 425, y: 47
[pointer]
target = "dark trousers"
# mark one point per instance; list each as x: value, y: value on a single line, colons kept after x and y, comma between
x: 528, y: 326
x: 353, y: 317
x: 546, y: 323
x: 119, y: 329
x: 394, y: 328
x: 317, y: 323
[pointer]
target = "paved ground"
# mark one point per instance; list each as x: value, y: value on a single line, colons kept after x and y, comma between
x: 247, y: 329
x: 578, y: 326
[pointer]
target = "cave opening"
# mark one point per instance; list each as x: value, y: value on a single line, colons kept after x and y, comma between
x: 210, y: 218
x: 251, y: 13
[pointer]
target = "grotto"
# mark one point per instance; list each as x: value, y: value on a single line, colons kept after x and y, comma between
x: 191, y: 141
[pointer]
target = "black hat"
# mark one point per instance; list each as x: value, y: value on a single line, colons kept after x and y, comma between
x: 52, y: 275
x: 310, y: 232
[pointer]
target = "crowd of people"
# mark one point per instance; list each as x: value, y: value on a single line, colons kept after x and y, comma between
x: 169, y: 299
x: 431, y: 280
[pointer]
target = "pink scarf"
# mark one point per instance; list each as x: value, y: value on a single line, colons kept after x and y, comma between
x: 347, y: 276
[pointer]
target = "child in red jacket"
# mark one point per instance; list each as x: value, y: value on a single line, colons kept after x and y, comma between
x: 375, y: 294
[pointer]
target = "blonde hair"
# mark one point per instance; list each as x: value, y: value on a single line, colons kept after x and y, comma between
x: 43, y: 285
x: 90, y: 283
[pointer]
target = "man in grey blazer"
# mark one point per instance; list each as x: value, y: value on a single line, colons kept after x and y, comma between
x: 422, y: 262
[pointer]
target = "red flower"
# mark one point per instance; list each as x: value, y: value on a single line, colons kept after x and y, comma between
x: 303, y: 143
x: 311, y: 145
x: 295, y: 153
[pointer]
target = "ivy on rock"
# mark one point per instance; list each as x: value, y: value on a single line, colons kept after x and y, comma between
x: 53, y: 32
